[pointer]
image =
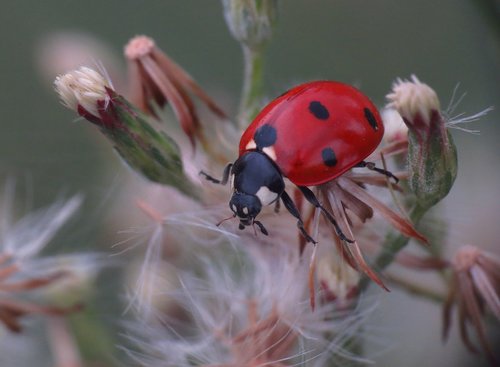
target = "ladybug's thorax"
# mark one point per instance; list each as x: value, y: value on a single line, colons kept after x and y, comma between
x: 257, y: 181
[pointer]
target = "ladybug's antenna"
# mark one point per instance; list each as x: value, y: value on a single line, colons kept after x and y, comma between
x: 222, y: 221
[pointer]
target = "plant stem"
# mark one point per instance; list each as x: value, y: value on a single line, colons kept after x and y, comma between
x: 253, y: 84
x: 394, y: 243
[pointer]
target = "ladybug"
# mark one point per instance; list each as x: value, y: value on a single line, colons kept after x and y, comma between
x: 311, y: 134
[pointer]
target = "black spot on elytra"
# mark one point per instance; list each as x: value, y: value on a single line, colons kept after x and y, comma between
x: 371, y: 119
x: 318, y: 110
x: 265, y: 136
x: 329, y: 157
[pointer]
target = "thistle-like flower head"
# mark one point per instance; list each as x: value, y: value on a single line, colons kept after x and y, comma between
x: 82, y: 89
x: 147, y: 150
x: 414, y: 100
x: 432, y: 154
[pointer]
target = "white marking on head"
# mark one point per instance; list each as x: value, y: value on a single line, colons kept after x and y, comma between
x: 266, y: 196
x: 245, y: 210
x: 251, y: 145
x: 270, y: 152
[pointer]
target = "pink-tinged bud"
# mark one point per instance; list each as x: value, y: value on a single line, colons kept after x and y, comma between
x: 145, y: 149
x: 432, y: 155
x: 251, y: 22
x: 416, y: 102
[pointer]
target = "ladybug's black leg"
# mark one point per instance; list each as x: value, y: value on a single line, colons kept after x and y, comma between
x: 290, y: 205
x: 225, y: 175
x: 309, y: 195
x: 371, y: 166
x: 261, y: 227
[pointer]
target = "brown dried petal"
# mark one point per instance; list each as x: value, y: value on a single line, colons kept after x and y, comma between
x: 448, y: 309
x: 185, y: 79
x: 490, y: 266
x: 30, y: 284
x: 7, y: 271
x: 472, y: 310
x: 181, y: 110
x: 378, y: 180
x: 341, y: 248
x: 421, y: 263
x: 137, y: 92
x: 22, y: 307
x: 484, y: 287
x: 358, y: 207
x: 462, y: 323
x: 353, y: 248
x: 10, y: 320
x: 398, y: 222
x: 394, y: 148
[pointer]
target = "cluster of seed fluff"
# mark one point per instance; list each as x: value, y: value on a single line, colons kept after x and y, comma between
x: 34, y: 286
x: 244, y: 309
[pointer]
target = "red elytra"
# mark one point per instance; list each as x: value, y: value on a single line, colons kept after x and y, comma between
x: 316, y: 131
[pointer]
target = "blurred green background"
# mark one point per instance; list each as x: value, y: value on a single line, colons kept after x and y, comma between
x: 367, y: 43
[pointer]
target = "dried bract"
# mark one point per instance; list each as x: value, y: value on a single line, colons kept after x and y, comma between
x: 475, y: 289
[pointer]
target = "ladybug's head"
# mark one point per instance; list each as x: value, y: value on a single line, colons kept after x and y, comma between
x: 256, y: 182
x: 246, y: 207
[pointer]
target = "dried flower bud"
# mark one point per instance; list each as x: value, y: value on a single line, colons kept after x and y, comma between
x: 155, y: 77
x: 475, y: 289
x: 251, y: 21
x: 148, y: 151
x: 432, y: 155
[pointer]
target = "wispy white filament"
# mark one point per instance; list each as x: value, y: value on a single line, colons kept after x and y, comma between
x: 25, y: 238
